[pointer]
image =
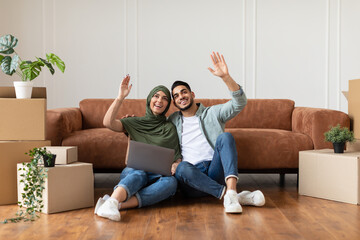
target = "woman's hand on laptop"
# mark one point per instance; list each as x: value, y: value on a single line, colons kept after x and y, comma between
x: 174, y: 166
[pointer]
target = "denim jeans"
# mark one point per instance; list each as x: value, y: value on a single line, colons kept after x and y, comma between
x: 208, y: 177
x: 149, y: 188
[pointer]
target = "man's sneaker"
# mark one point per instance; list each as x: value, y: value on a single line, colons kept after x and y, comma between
x: 255, y: 198
x: 109, y: 209
x: 100, y: 202
x: 231, y: 202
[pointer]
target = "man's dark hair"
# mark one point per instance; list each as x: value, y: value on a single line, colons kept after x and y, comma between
x: 179, y: 83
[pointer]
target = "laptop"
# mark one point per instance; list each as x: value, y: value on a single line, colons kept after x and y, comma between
x: 149, y: 158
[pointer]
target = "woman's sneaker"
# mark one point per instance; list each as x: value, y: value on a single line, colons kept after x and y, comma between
x: 255, y: 198
x: 231, y: 202
x: 109, y: 209
x: 100, y: 202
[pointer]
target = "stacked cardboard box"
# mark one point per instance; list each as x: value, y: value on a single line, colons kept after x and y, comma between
x: 22, y: 127
x: 69, y: 185
x: 353, y: 97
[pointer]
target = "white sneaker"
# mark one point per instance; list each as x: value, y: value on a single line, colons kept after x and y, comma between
x: 231, y: 202
x: 100, y: 202
x: 109, y: 209
x: 255, y: 198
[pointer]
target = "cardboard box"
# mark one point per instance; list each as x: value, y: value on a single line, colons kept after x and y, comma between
x: 354, y: 106
x: 64, y: 154
x: 329, y: 175
x: 11, y: 153
x: 67, y: 187
x: 22, y: 119
x: 354, y: 146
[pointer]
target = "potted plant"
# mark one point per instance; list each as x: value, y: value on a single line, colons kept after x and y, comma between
x: 32, y: 178
x: 45, y: 157
x: 339, y: 136
x: 27, y: 70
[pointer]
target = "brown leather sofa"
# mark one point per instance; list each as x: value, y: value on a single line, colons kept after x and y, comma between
x: 269, y: 133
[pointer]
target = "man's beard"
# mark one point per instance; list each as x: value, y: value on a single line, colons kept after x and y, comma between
x: 187, y: 107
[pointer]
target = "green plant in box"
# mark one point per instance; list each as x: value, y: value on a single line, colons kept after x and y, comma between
x: 339, y: 136
x: 32, y: 176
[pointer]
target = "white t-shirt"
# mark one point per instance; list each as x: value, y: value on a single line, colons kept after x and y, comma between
x: 194, y: 146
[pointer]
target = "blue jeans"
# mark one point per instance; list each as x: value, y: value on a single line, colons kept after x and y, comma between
x: 208, y: 177
x: 149, y: 188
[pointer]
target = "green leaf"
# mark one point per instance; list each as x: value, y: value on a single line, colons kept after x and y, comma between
x: 56, y: 60
x: 50, y: 67
x: 14, y: 63
x: 31, y: 70
x: 7, y: 44
x: 338, y: 134
x: 6, y: 66
x: 1, y: 58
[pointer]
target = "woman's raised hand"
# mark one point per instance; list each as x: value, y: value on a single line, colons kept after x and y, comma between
x: 124, y: 89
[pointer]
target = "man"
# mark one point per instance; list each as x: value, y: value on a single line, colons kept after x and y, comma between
x: 209, y: 163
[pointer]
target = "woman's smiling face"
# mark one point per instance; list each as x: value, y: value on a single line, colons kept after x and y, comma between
x: 159, y: 102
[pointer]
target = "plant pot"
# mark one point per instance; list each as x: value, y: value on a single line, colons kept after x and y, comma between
x: 52, y: 161
x: 339, y: 147
x: 23, y: 89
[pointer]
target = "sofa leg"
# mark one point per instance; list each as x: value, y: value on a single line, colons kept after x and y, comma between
x: 282, y: 179
x: 297, y: 180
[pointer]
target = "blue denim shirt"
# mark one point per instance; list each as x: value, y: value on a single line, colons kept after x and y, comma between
x: 212, y: 119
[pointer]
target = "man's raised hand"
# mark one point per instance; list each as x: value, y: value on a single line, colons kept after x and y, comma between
x: 220, y: 67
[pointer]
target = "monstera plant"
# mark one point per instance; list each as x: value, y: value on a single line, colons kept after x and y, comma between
x: 27, y: 70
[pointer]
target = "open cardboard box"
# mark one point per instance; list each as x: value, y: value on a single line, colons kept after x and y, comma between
x: 22, y: 119
x: 353, y: 97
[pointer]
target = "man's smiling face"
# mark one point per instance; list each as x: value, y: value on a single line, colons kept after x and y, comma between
x: 183, y: 98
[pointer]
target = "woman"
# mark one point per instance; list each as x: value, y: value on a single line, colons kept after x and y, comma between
x: 138, y: 188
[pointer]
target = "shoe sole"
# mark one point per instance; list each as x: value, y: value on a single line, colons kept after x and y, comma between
x: 234, y: 210
x: 110, y: 217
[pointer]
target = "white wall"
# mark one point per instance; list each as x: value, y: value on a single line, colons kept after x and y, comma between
x: 305, y: 50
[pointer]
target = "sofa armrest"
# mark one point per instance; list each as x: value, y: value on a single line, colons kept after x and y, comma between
x: 61, y: 122
x: 314, y: 122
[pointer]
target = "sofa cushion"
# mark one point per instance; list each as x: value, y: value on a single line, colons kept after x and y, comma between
x: 100, y: 146
x: 94, y: 110
x: 264, y: 113
x: 269, y: 148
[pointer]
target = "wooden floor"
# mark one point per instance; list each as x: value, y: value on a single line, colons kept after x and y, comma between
x: 286, y: 215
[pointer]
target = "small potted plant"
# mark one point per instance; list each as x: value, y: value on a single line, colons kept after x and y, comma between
x: 32, y: 179
x: 44, y: 156
x: 339, y: 136
x: 27, y: 70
